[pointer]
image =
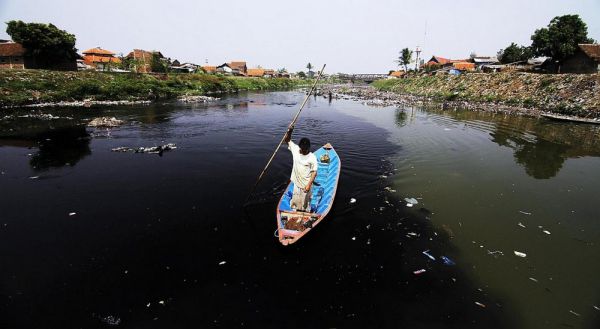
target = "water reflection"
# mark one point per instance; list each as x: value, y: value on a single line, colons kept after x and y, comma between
x: 61, y: 147
x: 540, y: 146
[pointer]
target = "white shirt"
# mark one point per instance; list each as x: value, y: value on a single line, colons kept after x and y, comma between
x: 304, y: 165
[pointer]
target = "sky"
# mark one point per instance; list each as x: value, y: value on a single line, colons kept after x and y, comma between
x: 350, y: 36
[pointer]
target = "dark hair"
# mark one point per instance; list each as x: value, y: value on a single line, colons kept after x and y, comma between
x: 304, y: 143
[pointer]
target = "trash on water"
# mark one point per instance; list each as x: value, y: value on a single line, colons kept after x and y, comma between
x: 352, y: 200
x: 353, y: 238
x: 162, y: 302
x: 72, y: 213
x: 520, y: 254
x: 521, y: 225
x: 421, y: 271
x: 574, y: 313
x: 547, y: 232
x: 447, y: 261
x: 412, y: 233
x: 222, y: 263
x: 411, y: 201
x: 524, y: 212
x: 34, y: 177
x: 480, y: 304
x: 426, y: 253
x: 495, y: 253
x: 389, y: 189
x: 597, y: 308
x: 148, y: 305
x: 151, y: 149
x: 111, y: 320
x: 533, y: 279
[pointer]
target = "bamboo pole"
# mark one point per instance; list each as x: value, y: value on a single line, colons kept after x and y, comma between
x: 291, y: 125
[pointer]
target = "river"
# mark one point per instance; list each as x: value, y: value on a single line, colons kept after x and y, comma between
x: 91, y: 238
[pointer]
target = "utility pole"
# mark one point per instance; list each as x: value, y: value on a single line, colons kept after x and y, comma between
x: 418, y: 51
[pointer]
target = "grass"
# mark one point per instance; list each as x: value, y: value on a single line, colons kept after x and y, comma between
x: 22, y: 87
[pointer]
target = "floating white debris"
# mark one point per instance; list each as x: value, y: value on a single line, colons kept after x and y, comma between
x: 353, y: 238
x: 574, y: 313
x: 547, y: 232
x: 525, y: 213
x: 411, y: 201
x: 352, y: 200
x: 162, y: 302
x: 521, y: 225
x: 222, y: 263
x: 72, y: 213
x: 520, y: 254
x: 480, y: 304
x: 421, y: 271
x: 597, y: 308
x: 34, y: 177
x: 533, y: 279
x: 426, y: 253
x: 148, y: 305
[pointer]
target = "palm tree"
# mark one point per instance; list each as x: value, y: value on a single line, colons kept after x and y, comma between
x: 309, y: 67
x: 405, y: 58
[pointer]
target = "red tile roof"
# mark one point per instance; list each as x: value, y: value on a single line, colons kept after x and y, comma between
x: 91, y: 59
x: 237, y: 65
x: 98, y: 51
x: 209, y: 69
x: 591, y: 50
x: 12, y: 49
x: 256, y: 72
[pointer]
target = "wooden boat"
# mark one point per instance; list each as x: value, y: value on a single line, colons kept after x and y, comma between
x: 291, y: 224
x: 570, y: 118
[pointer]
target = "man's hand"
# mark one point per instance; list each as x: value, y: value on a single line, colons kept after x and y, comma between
x: 288, y: 134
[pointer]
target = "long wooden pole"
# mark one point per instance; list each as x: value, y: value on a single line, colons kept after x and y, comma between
x: 283, y: 138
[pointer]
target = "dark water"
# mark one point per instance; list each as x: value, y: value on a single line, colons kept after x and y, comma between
x: 163, y: 241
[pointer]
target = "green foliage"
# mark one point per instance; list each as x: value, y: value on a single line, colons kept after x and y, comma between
x: 405, y: 58
x: 45, y: 42
x: 157, y: 64
x: 514, y: 53
x: 559, y: 40
x: 301, y: 74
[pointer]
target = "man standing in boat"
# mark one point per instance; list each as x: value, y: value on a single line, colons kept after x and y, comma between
x: 304, y: 171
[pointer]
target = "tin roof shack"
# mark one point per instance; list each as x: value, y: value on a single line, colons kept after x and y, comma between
x: 585, y: 60
x: 463, y: 66
x: 99, y: 58
x: 224, y: 69
x: 480, y: 61
x: 12, y: 56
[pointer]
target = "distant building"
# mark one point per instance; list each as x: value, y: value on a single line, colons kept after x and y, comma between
x: 480, y: 61
x: 99, y: 58
x: 396, y: 74
x: 238, y: 68
x: 463, y: 66
x: 143, y: 59
x: 224, y: 69
x: 256, y: 72
x: 585, y: 60
x: 209, y: 69
x: 12, y: 56
x: 183, y: 68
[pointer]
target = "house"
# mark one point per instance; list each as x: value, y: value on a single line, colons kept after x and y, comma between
x: 283, y: 74
x: 143, y: 59
x: 256, y: 72
x: 395, y: 74
x: 224, y: 69
x: 463, y: 66
x: 585, y: 60
x: 238, y: 68
x: 437, y: 61
x: 480, y: 61
x: 269, y: 73
x: 12, y: 56
x: 99, y: 58
x: 184, y: 68
x: 209, y: 69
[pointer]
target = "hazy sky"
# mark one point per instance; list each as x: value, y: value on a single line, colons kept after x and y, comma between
x: 349, y: 35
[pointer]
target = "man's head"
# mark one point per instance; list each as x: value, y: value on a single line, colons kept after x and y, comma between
x: 304, y: 146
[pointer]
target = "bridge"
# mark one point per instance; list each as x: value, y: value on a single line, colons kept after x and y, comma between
x: 364, y: 77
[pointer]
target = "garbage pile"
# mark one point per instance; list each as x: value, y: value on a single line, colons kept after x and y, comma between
x: 151, y: 150
x: 105, y: 122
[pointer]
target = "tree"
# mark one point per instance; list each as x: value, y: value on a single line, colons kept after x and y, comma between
x: 514, y: 53
x: 158, y: 64
x: 309, y: 67
x: 301, y: 75
x: 560, y: 39
x: 405, y: 58
x: 46, y: 43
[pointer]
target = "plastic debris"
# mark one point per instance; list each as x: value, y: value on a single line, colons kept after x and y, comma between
x: 426, y: 253
x: 574, y: 313
x: 412, y: 233
x: 72, y: 213
x: 524, y: 212
x: 353, y: 238
x: 520, y: 254
x: 162, y: 302
x: 523, y: 226
x: 222, y: 263
x: 447, y: 261
x: 111, y: 320
x: 533, y: 279
x: 547, y: 232
x: 352, y: 200
x: 411, y: 202
x: 495, y: 253
x: 597, y: 308
x: 151, y: 150
x: 389, y: 189
x: 421, y: 271
x: 105, y: 122
x: 148, y: 305
x: 34, y: 177
x: 480, y: 304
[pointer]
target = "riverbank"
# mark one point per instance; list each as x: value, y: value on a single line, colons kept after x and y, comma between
x: 39, y: 87
x: 522, y: 93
